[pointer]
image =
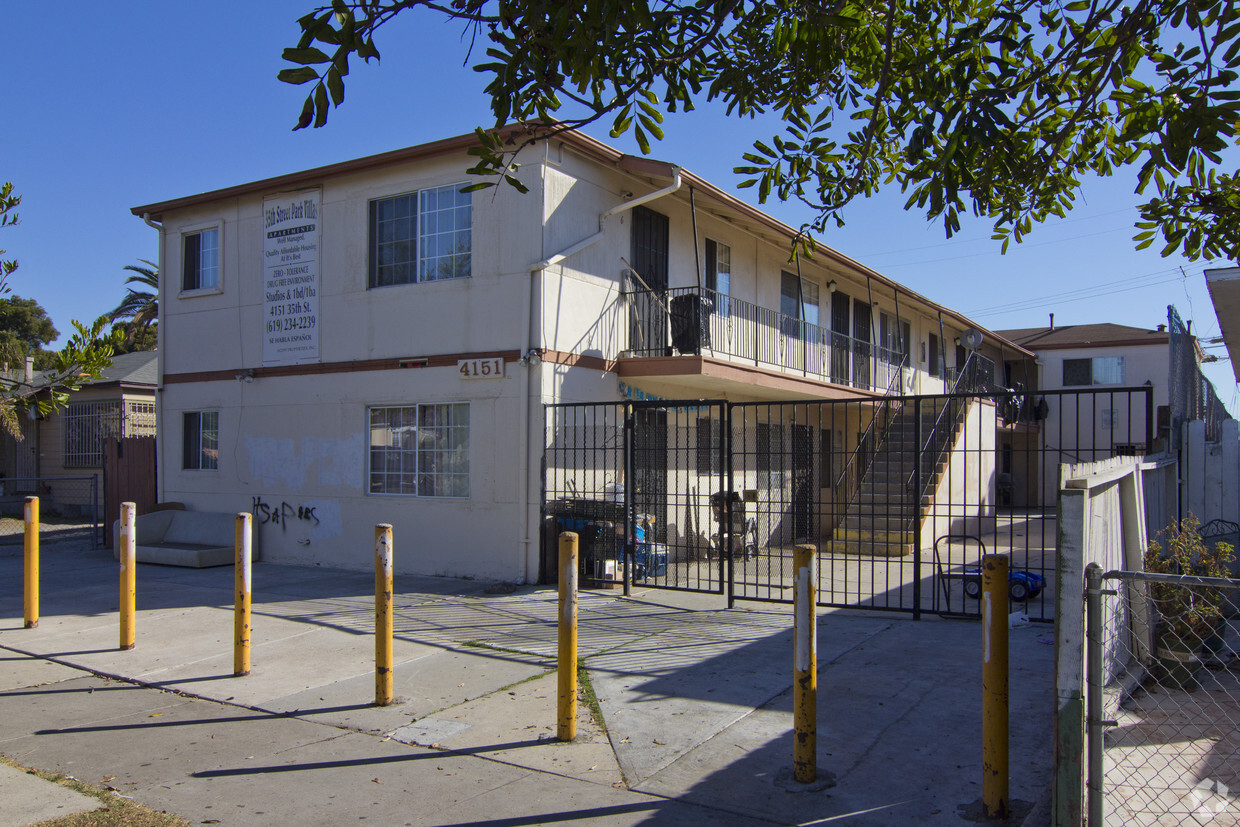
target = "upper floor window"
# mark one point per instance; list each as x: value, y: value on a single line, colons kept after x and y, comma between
x: 200, y: 259
x: 421, y: 236
x: 798, y: 302
x: 719, y: 273
x: 1100, y: 370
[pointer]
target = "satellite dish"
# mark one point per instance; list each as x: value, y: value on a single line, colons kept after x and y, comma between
x: 971, y: 339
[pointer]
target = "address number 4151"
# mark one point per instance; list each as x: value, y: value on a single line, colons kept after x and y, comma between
x: 481, y: 368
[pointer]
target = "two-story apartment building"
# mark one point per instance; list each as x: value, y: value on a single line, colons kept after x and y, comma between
x: 364, y: 343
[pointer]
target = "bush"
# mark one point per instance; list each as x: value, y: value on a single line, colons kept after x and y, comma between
x: 1188, y: 612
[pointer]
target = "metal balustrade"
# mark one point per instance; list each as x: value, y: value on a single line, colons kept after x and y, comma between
x: 698, y: 321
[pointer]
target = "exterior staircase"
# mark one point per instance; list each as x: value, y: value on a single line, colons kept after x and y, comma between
x: 881, y: 518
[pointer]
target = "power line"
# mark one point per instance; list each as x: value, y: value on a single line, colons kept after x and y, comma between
x: 1127, y: 283
x: 1018, y: 247
x: 958, y: 242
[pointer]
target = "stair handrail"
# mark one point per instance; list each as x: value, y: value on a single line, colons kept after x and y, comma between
x: 957, y: 411
x: 894, y: 385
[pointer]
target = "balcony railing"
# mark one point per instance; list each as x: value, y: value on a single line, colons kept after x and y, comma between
x: 689, y: 320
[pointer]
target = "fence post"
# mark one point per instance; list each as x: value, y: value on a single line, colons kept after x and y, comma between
x: 241, y: 604
x: 383, y: 614
x: 995, y: 686
x: 630, y: 517
x: 917, y: 515
x: 129, y: 564
x: 566, y: 724
x: 32, y: 562
x: 805, y: 677
x: 1093, y: 681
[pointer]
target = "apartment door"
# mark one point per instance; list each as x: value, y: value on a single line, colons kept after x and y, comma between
x: 648, y: 256
x: 861, y: 346
x: 839, y: 337
x: 650, y: 468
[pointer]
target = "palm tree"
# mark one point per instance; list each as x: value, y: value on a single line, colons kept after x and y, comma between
x: 139, y: 310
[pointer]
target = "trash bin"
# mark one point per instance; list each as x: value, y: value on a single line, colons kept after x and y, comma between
x: 691, y: 322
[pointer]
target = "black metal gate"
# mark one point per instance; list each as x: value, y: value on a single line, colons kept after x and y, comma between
x: 900, y: 495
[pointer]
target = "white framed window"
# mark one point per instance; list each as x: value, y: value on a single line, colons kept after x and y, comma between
x: 200, y: 260
x: 200, y: 440
x: 421, y: 236
x: 139, y: 418
x: 420, y: 450
x: 87, y: 426
x: 1100, y: 370
x: 719, y: 274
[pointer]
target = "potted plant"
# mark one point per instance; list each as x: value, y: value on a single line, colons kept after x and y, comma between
x: 1188, y: 616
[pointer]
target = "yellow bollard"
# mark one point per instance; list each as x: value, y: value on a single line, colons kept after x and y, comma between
x: 241, y: 603
x: 995, y: 686
x: 32, y: 562
x: 566, y: 724
x: 805, y: 675
x: 129, y: 564
x: 383, y: 614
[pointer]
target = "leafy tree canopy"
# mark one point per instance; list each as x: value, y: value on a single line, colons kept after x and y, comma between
x: 26, y: 322
x: 992, y: 107
x: 138, y: 312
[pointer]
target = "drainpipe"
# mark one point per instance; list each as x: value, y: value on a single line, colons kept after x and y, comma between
x: 159, y: 346
x: 532, y: 347
x: 597, y: 237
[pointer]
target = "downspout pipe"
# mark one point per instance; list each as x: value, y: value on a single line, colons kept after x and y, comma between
x: 532, y: 347
x: 619, y: 208
x: 159, y: 344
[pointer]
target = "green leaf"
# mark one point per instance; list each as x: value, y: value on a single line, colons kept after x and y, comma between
x: 297, y: 76
x: 308, y: 55
x: 335, y: 86
x: 320, y: 105
x: 307, y: 114
x: 642, y: 141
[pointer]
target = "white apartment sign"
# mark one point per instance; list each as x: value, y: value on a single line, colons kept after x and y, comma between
x: 291, y: 278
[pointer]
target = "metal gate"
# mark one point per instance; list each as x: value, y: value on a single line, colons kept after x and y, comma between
x: 900, y: 494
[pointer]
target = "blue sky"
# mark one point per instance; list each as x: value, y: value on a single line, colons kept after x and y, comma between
x: 105, y: 110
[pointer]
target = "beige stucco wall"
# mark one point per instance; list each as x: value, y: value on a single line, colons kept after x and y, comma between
x: 965, y: 498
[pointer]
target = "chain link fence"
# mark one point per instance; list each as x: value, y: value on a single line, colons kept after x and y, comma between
x: 1163, y: 699
x: 1192, y: 396
x: 69, y: 509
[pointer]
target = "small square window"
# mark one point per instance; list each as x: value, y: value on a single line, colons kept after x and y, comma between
x: 200, y: 447
x: 200, y: 260
x: 1078, y: 372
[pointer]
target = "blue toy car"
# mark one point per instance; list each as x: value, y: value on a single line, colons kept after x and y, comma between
x: 1022, y: 585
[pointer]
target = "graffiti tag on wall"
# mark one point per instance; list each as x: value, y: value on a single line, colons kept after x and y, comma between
x: 282, y: 513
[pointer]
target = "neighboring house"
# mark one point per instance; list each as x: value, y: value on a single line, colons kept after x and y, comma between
x: 363, y: 343
x: 69, y: 445
x: 1092, y: 357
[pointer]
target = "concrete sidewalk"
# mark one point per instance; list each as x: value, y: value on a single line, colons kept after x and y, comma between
x: 696, y: 701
